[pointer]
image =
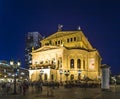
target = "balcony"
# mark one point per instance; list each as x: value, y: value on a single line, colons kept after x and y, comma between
x: 44, y: 66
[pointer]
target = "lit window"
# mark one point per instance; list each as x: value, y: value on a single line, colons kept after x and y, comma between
x: 72, y: 63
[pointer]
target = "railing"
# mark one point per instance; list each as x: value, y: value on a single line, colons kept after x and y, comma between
x: 44, y: 66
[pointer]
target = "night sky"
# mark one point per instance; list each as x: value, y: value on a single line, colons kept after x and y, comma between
x: 98, y: 19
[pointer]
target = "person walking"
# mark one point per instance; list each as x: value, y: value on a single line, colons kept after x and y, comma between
x: 24, y: 87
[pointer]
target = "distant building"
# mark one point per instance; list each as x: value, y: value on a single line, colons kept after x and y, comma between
x: 65, y: 55
x: 7, y: 72
x: 4, y: 69
x: 32, y: 40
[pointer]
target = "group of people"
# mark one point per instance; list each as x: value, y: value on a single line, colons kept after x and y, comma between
x: 37, y: 87
x: 8, y: 87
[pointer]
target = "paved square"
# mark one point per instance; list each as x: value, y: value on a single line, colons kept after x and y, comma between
x: 69, y: 93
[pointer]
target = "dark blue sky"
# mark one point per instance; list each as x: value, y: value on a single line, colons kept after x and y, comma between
x: 99, y: 20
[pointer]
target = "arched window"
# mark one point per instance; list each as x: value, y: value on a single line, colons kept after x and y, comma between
x: 78, y: 63
x: 72, y: 63
x: 72, y: 77
x: 83, y: 64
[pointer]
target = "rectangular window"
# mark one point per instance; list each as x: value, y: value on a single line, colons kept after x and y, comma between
x: 58, y: 42
x: 71, y: 39
x: 74, y: 38
x: 55, y: 42
x: 67, y: 40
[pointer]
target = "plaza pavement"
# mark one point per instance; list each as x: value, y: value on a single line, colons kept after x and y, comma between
x: 70, y: 93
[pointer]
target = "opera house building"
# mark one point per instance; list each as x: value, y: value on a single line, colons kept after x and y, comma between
x: 65, y: 55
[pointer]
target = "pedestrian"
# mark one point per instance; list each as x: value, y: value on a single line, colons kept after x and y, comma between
x: 24, y: 87
x: 3, y: 88
x: 8, y: 86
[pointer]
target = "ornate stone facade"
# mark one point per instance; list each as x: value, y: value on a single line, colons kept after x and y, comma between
x: 65, y: 55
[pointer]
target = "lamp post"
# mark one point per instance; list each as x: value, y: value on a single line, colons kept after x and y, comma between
x: 60, y: 71
x: 15, y: 67
x: 66, y: 72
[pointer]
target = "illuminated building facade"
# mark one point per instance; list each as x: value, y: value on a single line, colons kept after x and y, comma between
x: 5, y: 70
x: 65, y: 55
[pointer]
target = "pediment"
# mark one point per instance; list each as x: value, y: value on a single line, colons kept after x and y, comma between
x: 60, y: 34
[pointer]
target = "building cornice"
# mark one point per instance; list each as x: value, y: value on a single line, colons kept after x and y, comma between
x: 44, y: 48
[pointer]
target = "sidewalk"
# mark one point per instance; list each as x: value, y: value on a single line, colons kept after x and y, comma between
x: 114, y: 93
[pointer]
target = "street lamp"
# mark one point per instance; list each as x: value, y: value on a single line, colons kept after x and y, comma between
x: 66, y: 72
x: 15, y: 68
x: 60, y: 71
